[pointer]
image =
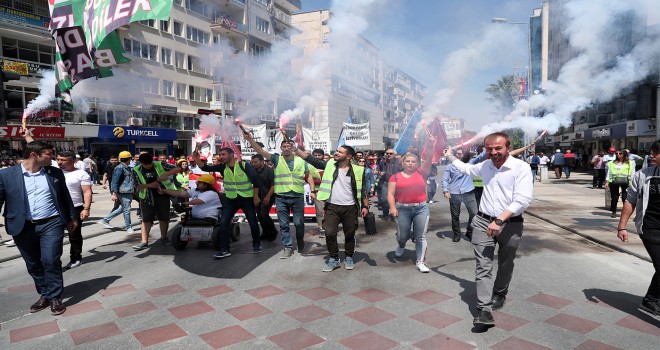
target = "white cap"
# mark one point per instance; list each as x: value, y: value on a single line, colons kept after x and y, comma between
x: 558, y: 150
x: 77, y: 155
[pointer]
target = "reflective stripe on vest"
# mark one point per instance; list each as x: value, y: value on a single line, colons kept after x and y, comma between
x: 237, y: 183
x: 159, y: 171
x: 477, y: 181
x: 614, y: 172
x: 326, y: 182
x: 286, y: 180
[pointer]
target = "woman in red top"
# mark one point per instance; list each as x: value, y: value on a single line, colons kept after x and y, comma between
x: 406, y: 195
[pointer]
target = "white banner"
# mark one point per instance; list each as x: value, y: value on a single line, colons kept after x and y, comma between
x: 259, y: 134
x: 357, y: 134
x: 317, y: 139
x: 204, y: 146
x: 273, y: 141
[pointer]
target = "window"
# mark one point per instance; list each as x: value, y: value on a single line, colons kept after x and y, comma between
x: 257, y: 50
x: 149, y: 23
x: 150, y: 85
x: 166, y: 56
x: 179, y: 60
x: 199, y: 94
x: 197, y: 35
x: 264, y: 2
x: 168, y: 88
x: 148, y: 51
x: 195, y: 65
x: 165, y: 25
x: 178, y: 2
x: 178, y: 28
x: 181, y: 91
x: 199, y: 6
x: 28, y: 51
x: 263, y: 25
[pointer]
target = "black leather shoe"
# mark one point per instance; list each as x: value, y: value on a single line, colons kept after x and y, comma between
x: 484, y: 318
x: 456, y: 238
x: 301, y: 245
x: 41, y: 304
x: 498, y: 301
x: 56, y: 307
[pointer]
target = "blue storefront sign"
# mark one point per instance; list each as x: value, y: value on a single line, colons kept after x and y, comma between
x: 136, y: 133
x: 10, y: 15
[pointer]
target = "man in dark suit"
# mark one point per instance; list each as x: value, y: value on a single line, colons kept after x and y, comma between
x: 38, y: 208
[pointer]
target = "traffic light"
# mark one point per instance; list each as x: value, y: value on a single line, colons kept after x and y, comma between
x: 6, y: 76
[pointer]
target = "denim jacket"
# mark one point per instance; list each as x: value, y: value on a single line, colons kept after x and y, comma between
x: 122, y: 179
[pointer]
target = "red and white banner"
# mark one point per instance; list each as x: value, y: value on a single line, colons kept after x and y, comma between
x: 38, y: 132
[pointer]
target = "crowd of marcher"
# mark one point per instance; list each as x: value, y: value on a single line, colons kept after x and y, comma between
x: 495, y: 185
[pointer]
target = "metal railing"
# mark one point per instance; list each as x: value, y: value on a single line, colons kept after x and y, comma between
x: 282, y: 17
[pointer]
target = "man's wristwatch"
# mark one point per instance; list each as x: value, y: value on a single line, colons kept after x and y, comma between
x: 499, y: 222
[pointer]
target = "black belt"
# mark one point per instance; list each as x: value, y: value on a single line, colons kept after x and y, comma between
x: 518, y: 218
x: 41, y: 221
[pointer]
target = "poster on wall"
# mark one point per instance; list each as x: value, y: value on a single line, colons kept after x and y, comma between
x: 274, y: 139
x: 317, y: 139
x: 357, y: 134
x: 204, y: 145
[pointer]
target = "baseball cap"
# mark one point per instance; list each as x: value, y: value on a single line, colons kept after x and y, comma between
x: 78, y: 156
x: 612, y: 149
x: 558, y: 150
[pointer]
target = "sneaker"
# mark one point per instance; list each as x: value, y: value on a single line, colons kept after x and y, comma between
x: 257, y: 250
x: 141, y: 245
x: 469, y: 236
x: 457, y: 238
x: 165, y: 241
x: 105, y: 223
x: 484, y: 318
x: 286, y: 253
x: 498, y: 301
x: 73, y: 264
x: 613, y: 215
x: 331, y: 265
x: 321, y: 233
x: 652, y: 307
x: 348, y: 263
x: 221, y: 254
x: 398, y: 252
x: 421, y: 266
x: 130, y: 231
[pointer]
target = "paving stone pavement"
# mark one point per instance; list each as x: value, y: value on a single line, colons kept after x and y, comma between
x: 566, y: 293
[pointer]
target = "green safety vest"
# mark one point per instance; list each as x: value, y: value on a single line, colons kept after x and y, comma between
x: 626, y: 170
x: 477, y: 181
x: 183, y: 179
x: 287, y: 180
x: 326, y: 181
x: 237, y: 182
x: 159, y: 171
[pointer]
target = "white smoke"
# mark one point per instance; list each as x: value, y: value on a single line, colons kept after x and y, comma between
x: 46, y: 93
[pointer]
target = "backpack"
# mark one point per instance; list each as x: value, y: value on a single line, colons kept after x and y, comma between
x: 536, y: 160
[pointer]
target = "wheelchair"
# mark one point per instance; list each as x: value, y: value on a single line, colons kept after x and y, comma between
x: 200, y: 230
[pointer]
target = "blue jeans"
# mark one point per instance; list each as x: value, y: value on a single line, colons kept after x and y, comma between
x: 567, y: 171
x: 417, y: 219
x: 41, y: 248
x: 285, y: 206
x: 124, y: 207
x: 384, y: 206
x: 229, y: 209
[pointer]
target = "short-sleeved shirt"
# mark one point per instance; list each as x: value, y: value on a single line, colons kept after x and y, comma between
x: 109, y: 169
x: 75, y: 179
x: 411, y: 189
x: 210, y: 207
x: 275, y: 158
x: 342, y: 193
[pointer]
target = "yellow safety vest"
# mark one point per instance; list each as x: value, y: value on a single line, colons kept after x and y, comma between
x: 477, y: 181
x: 159, y: 171
x: 326, y: 182
x: 237, y: 182
x: 287, y: 180
x: 626, y: 170
x: 183, y: 179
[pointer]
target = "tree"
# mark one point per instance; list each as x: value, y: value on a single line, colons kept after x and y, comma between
x: 502, y: 93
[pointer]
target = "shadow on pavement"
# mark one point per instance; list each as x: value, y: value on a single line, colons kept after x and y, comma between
x: 100, y: 256
x: 80, y: 291
x: 621, y: 301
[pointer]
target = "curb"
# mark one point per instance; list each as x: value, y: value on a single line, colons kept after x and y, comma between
x: 593, y: 239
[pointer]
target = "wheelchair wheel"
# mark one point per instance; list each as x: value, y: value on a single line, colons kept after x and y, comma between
x: 215, y: 238
x: 177, y: 243
x: 235, y: 232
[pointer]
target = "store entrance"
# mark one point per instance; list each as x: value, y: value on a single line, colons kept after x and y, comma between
x: 155, y: 150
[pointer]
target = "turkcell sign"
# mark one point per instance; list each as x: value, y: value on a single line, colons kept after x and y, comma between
x: 135, y: 133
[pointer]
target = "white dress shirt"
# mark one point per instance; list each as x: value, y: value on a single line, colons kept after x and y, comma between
x: 508, y: 188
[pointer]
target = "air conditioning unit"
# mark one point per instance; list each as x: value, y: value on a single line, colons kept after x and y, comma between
x: 134, y: 121
x: 68, y: 116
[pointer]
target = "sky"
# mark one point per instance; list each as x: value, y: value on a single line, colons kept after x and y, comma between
x: 419, y: 36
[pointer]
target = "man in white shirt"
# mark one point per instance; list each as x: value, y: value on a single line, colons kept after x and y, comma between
x: 80, y: 188
x: 203, y: 199
x: 79, y: 163
x: 507, y: 193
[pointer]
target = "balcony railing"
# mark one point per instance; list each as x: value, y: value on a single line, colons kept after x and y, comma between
x: 238, y: 2
x: 282, y: 17
x: 229, y: 23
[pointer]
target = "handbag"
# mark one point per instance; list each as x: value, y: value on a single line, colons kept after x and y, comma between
x: 370, y: 224
x: 621, y: 180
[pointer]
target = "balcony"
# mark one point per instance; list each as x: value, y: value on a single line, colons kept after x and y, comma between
x: 240, y: 3
x: 226, y: 25
x: 289, y: 5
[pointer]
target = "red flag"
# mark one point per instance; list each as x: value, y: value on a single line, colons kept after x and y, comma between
x: 437, y: 130
x: 299, y: 136
x: 233, y: 146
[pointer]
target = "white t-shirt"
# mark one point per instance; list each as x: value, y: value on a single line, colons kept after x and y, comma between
x: 210, y: 207
x: 75, y: 179
x: 342, y: 193
x: 79, y: 165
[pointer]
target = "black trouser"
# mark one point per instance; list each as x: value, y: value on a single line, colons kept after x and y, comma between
x: 614, y: 192
x: 599, y: 177
x: 75, y: 237
x: 653, y: 294
x: 267, y: 224
x: 347, y: 215
x: 478, y: 191
x: 229, y: 209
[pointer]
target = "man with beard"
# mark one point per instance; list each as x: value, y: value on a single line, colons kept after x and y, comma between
x: 507, y: 193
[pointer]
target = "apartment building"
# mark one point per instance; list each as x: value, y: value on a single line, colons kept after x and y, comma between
x: 361, y: 86
x: 176, y: 70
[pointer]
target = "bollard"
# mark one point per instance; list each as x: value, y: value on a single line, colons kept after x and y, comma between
x: 608, y: 198
x: 544, y: 173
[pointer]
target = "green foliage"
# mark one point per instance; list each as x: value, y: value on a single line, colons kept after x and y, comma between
x: 502, y: 93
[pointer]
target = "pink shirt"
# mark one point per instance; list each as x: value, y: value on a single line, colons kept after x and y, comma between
x: 411, y: 189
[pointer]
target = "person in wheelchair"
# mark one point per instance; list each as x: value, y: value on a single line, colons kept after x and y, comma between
x: 203, y: 199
